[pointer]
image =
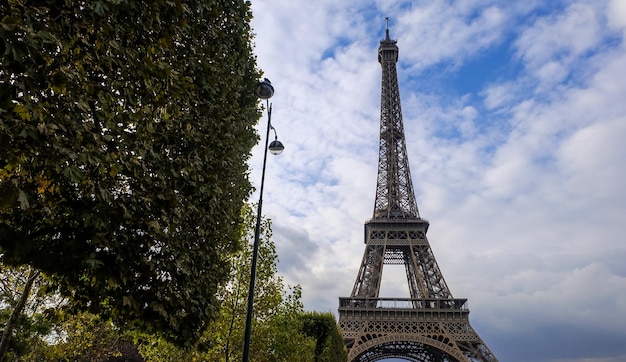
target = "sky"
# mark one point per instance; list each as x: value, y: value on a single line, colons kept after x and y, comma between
x: 515, y: 118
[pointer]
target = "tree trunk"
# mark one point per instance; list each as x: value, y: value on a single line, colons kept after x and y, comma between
x: 19, y: 307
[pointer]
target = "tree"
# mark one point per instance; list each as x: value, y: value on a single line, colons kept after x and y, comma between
x: 125, y: 130
x: 82, y: 337
x: 20, y: 313
x: 329, y: 342
x: 277, y: 329
x: 281, y: 330
x: 37, y: 329
x: 276, y: 325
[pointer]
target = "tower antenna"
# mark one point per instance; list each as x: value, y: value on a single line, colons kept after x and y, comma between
x: 387, y: 28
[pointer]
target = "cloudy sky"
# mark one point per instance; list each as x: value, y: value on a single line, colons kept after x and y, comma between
x: 515, y: 119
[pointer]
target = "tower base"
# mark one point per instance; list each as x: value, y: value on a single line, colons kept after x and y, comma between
x: 420, y: 330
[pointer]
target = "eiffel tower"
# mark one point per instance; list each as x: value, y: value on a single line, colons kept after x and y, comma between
x: 431, y: 325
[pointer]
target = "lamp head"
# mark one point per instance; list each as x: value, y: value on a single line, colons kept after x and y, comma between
x: 264, y: 89
x: 276, y: 147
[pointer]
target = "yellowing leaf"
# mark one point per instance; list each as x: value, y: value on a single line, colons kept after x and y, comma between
x: 22, y: 112
x: 43, y: 185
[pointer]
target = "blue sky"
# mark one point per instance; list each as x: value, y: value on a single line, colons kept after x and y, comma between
x: 515, y: 119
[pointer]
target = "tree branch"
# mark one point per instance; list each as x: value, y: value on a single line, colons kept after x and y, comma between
x: 19, y: 307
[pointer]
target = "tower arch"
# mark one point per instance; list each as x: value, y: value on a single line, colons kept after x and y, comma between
x: 411, y: 347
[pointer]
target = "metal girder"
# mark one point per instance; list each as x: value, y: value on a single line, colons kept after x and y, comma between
x: 395, y: 197
x: 370, y: 274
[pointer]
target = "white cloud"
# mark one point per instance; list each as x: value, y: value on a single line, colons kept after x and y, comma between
x: 447, y: 31
x: 551, y: 46
x: 521, y: 181
x: 500, y: 94
x: 589, y: 156
x: 617, y: 14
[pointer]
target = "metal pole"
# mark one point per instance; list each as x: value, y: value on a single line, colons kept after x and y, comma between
x: 255, y: 250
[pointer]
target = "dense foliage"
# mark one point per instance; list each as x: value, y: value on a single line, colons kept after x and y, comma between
x: 282, y: 331
x: 21, y: 327
x: 276, y: 326
x: 329, y: 342
x: 125, y: 129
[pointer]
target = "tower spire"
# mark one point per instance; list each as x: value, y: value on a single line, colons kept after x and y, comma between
x: 394, y: 189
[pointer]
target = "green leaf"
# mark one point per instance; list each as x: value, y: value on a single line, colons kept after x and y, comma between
x: 73, y: 173
x: 9, y: 196
x: 100, y: 8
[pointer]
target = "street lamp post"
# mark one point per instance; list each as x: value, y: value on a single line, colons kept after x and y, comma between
x: 264, y: 90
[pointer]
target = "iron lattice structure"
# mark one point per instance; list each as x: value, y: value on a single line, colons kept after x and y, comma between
x: 431, y: 325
